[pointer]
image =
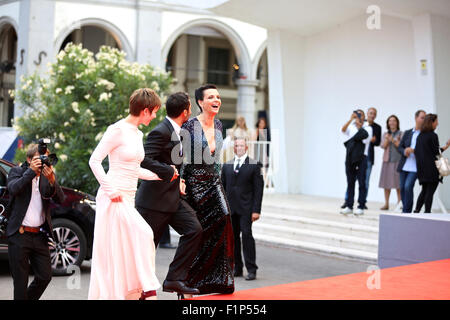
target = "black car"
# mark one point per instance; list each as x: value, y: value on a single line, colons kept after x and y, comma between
x: 73, y: 226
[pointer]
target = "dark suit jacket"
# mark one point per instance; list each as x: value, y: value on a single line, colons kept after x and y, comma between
x: 160, y: 154
x: 427, y: 148
x: 355, y: 147
x: 376, y: 133
x: 245, y: 189
x: 404, y: 143
x: 19, y: 187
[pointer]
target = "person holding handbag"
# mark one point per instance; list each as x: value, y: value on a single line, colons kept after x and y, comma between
x: 426, y: 151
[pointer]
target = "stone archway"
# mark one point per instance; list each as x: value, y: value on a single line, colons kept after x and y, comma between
x: 8, y: 60
x: 117, y: 35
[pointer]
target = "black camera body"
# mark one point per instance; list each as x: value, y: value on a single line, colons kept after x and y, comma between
x: 49, y: 160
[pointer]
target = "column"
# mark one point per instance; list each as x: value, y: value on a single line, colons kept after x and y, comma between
x: 35, y: 38
x: 246, y: 101
x: 286, y: 90
x: 148, y: 37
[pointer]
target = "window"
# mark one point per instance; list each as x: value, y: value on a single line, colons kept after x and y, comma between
x: 219, y: 66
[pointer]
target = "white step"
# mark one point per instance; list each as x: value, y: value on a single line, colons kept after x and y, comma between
x: 324, y: 225
x: 370, y: 256
x: 318, y: 237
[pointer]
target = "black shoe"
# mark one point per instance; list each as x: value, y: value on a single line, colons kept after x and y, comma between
x: 344, y: 205
x: 178, y: 287
x: 365, y: 207
x: 251, y: 276
x: 238, y: 273
x: 167, y: 246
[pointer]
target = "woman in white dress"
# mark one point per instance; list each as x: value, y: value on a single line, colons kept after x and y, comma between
x: 123, y: 258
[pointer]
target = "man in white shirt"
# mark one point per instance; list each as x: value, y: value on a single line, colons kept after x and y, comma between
x: 357, y: 144
x: 31, y: 186
x: 243, y: 182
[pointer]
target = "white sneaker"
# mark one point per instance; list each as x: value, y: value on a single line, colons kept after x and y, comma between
x: 398, y: 208
x: 358, y: 212
x: 346, y: 210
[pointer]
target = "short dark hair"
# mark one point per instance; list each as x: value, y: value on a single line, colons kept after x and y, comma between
x: 427, y: 125
x: 177, y: 103
x: 31, y: 150
x: 143, y: 98
x: 387, y: 122
x: 418, y: 112
x: 199, y: 93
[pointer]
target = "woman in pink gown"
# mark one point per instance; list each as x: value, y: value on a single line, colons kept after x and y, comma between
x: 123, y: 258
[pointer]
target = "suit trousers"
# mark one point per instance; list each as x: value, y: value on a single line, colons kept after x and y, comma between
x: 185, y: 222
x: 355, y: 172
x: 243, y: 224
x: 25, y: 250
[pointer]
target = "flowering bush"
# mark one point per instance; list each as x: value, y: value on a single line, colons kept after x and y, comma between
x: 76, y: 101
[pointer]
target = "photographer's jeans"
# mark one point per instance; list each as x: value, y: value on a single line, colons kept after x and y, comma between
x: 356, y: 172
x: 25, y: 250
x: 407, y: 182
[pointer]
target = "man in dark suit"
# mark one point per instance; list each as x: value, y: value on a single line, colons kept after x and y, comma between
x: 31, y: 186
x: 160, y: 202
x: 243, y: 182
x: 407, y: 166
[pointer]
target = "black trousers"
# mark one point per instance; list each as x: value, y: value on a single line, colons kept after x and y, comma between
x: 29, y: 250
x: 185, y: 222
x: 356, y: 171
x: 242, y: 224
x: 426, y: 196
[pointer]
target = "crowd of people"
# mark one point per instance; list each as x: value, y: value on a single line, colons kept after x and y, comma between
x: 184, y: 185
x: 408, y: 156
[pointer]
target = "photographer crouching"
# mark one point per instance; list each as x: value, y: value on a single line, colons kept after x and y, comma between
x: 31, y: 186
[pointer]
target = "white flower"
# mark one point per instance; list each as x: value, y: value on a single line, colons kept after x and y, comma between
x: 11, y: 93
x: 61, y: 55
x: 69, y: 89
x: 75, y: 107
x: 87, y: 96
x: 103, y: 82
x: 58, y: 90
x: 155, y: 85
x: 104, y: 97
x: 61, y: 137
x: 99, y: 136
x: 57, y: 145
x: 63, y: 157
x: 66, y: 124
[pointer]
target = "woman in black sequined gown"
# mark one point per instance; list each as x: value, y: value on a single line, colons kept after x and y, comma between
x: 212, y: 269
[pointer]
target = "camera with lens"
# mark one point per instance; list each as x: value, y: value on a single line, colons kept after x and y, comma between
x: 49, y: 160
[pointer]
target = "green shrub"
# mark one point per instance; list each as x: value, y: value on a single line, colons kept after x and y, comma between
x: 75, y: 103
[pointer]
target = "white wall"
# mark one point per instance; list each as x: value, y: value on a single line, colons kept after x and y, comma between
x: 11, y: 10
x: 352, y: 67
x: 441, y: 49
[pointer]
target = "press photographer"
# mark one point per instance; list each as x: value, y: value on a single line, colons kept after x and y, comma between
x: 31, y: 187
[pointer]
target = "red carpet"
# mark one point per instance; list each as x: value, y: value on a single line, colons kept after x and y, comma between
x: 423, y: 281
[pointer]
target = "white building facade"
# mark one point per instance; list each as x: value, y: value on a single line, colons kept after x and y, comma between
x: 307, y: 63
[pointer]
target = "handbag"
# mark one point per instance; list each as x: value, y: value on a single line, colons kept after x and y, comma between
x: 443, y: 165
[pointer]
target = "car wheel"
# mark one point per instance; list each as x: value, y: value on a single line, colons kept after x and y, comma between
x: 68, y: 247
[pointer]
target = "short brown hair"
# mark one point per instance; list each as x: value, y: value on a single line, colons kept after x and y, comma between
x: 418, y: 112
x: 143, y: 98
x: 31, y: 150
x: 427, y: 125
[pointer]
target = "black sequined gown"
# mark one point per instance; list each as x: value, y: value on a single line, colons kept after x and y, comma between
x: 212, y: 268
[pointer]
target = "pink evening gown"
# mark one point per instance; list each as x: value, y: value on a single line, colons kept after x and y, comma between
x: 123, y: 257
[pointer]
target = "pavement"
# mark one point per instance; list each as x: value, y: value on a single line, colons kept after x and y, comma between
x: 277, y: 265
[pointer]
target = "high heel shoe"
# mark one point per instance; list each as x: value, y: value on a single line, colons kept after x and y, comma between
x: 147, y: 294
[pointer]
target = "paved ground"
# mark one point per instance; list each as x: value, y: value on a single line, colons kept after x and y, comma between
x: 277, y: 265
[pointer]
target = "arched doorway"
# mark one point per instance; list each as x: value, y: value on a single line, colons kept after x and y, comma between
x: 208, y: 51
x: 8, y: 57
x: 262, y: 90
x: 92, y: 38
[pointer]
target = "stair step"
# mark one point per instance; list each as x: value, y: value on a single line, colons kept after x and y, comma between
x: 370, y: 256
x: 324, y: 225
x: 323, y: 238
